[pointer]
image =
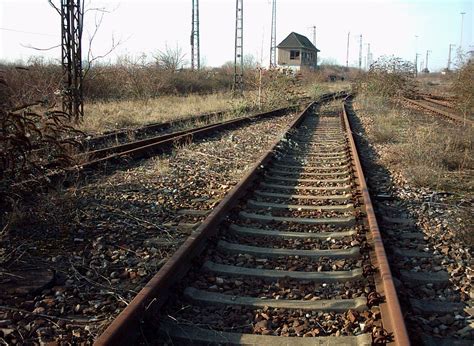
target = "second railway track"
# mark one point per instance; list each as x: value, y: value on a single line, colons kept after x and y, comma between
x: 441, y: 108
x: 152, y: 141
x: 294, y: 250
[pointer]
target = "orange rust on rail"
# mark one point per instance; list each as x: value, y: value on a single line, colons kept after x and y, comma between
x: 393, y: 305
x: 451, y: 116
x: 126, y: 325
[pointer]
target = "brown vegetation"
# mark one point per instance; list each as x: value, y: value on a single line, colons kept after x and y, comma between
x: 389, y: 77
x: 430, y: 153
x: 425, y: 152
x: 26, y: 126
x: 463, y: 88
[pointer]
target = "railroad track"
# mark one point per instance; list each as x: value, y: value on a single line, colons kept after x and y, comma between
x: 293, y: 250
x: 439, y: 107
x: 153, y: 144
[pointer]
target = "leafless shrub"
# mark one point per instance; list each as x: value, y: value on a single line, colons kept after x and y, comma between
x: 389, y: 76
x: 31, y: 136
x: 268, y: 89
x: 463, y: 88
x: 170, y: 59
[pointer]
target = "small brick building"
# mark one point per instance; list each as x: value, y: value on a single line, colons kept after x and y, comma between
x: 297, y: 52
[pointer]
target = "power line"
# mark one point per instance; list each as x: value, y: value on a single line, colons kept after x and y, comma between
x: 27, y: 32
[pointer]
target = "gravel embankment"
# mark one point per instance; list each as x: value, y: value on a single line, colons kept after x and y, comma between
x: 434, y: 224
x: 94, y: 247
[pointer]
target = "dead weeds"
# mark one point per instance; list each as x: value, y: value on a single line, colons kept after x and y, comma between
x: 428, y: 152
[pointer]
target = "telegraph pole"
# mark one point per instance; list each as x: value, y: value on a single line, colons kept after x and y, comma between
x: 451, y: 45
x: 195, y: 46
x: 72, y: 14
x: 462, y: 28
x: 416, y: 55
x: 416, y: 64
x: 367, y: 58
x: 239, y: 54
x: 273, y: 37
x: 426, y: 63
x: 347, y: 51
x: 360, y: 52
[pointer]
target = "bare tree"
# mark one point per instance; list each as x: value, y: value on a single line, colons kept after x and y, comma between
x: 171, y: 59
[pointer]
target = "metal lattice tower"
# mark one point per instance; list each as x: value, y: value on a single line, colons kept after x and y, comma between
x: 72, y: 13
x: 273, y: 38
x: 195, y: 50
x: 239, y: 54
x: 360, y: 52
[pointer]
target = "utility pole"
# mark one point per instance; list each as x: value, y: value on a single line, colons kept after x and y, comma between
x: 416, y: 64
x: 195, y: 46
x: 347, y: 50
x: 239, y: 54
x: 416, y: 55
x: 462, y: 28
x: 72, y: 14
x: 367, y: 61
x: 451, y: 45
x: 360, y: 52
x: 314, y: 35
x: 273, y: 37
x: 427, y: 55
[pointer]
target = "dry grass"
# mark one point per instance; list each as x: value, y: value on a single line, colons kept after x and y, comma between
x: 427, y: 152
x: 317, y: 89
x: 435, y: 83
x: 109, y: 115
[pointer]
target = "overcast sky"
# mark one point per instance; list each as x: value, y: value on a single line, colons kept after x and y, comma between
x: 146, y: 26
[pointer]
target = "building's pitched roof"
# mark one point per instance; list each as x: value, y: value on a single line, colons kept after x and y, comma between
x: 295, y: 40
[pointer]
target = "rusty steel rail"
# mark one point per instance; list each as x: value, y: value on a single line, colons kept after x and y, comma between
x: 123, y: 134
x: 456, y: 118
x: 151, y: 146
x: 393, y: 321
x: 126, y: 327
x: 130, y: 147
x: 443, y: 103
x: 437, y: 97
x: 141, y: 148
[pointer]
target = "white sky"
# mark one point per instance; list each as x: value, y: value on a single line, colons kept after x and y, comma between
x: 146, y: 26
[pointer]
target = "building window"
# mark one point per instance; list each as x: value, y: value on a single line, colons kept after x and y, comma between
x: 294, y: 54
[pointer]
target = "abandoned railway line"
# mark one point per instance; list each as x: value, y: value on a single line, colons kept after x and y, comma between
x: 299, y: 227
x: 151, y: 140
x: 293, y: 250
x: 156, y: 138
x: 439, y: 107
x: 151, y: 143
